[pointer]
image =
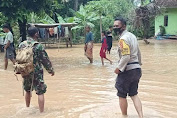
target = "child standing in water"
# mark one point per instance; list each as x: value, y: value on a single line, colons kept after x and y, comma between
x: 104, y: 48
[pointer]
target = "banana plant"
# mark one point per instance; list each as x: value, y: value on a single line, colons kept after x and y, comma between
x: 84, y: 18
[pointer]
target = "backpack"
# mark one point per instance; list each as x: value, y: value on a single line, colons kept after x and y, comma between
x: 24, y: 59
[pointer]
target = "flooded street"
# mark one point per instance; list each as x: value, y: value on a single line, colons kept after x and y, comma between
x: 82, y: 90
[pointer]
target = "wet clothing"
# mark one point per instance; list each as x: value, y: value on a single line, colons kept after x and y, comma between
x: 40, y: 58
x: 103, y: 48
x: 89, y: 37
x: 109, y: 40
x: 89, y: 45
x: 89, y: 50
x: 38, y: 83
x: 129, y: 65
x: 10, y: 51
x: 127, y: 83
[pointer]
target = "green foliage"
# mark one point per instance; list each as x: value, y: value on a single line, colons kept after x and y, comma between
x: 139, y: 32
x: 82, y: 18
x: 19, y: 9
x: 3, y: 19
x: 99, y: 14
x: 108, y: 11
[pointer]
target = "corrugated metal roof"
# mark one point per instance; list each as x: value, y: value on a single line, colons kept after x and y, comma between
x: 40, y: 25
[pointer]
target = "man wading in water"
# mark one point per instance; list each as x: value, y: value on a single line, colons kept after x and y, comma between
x: 35, y: 78
x: 89, y: 44
x: 128, y: 70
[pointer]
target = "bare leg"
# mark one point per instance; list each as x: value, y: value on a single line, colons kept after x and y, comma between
x: 91, y: 60
x: 28, y: 99
x: 102, y: 61
x: 13, y: 61
x: 41, y: 102
x: 109, y: 60
x: 123, y: 105
x: 138, y: 105
x: 6, y: 64
x: 146, y: 41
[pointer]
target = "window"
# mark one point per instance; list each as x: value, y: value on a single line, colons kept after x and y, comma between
x: 166, y: 20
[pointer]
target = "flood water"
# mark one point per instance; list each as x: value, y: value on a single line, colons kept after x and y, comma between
x: 83, y: 90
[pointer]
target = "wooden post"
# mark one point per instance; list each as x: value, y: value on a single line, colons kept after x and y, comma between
x: 70, y: 36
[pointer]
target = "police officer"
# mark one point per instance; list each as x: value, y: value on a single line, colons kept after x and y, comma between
x: 128, y: 69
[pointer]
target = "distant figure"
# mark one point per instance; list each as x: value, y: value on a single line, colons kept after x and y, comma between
x: 34, y: 80
x: 8, y: 46
x: 109, y: 39
x: 104, y: 48
x: 89, y: 44
x: 128, y: 68
x: 162, y: 31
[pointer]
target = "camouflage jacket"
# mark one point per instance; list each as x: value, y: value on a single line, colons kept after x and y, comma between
x: 40, y: 58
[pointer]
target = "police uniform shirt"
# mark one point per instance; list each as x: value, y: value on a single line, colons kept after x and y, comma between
x: 129, y: 53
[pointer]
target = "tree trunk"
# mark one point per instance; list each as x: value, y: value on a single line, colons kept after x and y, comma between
x: 101, y: 27
x: 55, y: 17
x: 22, y: 28
x: 76, y: 4
x: 142, y: 2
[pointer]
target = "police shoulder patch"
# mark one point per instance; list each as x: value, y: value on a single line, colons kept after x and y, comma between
x: 124, y: 47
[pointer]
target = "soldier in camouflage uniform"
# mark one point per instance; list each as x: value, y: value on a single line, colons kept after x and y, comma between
x: 35, y: 79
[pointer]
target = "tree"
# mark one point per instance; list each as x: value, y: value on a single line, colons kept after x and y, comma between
x: 2, y: 19
x: 18, y: 10
x: 109, y: 9
x: 83, y: 18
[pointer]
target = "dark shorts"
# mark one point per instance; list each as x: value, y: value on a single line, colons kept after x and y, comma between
x: 9, y: 54
x: 127, y: 83
x: 38, y: 84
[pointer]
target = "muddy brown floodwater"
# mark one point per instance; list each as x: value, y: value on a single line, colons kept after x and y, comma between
x: 82, y: 90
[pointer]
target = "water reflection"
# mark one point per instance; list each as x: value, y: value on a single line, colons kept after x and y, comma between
x: 82, y: 90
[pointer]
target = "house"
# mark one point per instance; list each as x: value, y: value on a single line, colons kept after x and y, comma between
x: 168, y: 17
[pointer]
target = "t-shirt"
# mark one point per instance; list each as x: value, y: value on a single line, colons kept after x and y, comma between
x: 89, y: 37
x: 130, y: 56
x: 9, y: 37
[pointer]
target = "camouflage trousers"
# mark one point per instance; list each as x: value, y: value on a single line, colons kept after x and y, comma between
x: 33, y: 82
